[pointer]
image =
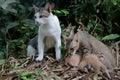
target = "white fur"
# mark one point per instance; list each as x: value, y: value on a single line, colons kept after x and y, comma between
x: 48, y: 27
x: 31, y: 52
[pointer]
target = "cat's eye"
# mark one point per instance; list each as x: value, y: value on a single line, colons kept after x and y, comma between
x: 40, y: 16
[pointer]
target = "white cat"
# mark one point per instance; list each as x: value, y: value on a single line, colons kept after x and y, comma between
x: 49, y: 33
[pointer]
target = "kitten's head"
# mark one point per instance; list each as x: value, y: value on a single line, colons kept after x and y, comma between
x: 42, y: 14
x: 68, y: 36
x: 74, y: 45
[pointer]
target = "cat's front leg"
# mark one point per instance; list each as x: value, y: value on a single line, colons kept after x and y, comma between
x: 58, y: 48
x: 40, y: 49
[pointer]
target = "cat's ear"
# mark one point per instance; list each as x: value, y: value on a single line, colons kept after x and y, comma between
x: 36, y: 8
x: 48, y: 7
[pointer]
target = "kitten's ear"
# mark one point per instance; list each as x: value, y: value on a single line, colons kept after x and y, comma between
x: 36, y: 8
x: 48, y: 7
x: 71, y: 34
x: 65, y: 38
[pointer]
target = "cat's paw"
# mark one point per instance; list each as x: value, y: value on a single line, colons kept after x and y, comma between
x: 39, y: 58
x: 58, y: 59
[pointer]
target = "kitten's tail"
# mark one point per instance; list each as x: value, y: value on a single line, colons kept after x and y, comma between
x: 31, y: 52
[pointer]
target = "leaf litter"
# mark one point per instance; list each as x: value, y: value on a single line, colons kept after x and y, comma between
x: 49, y: 69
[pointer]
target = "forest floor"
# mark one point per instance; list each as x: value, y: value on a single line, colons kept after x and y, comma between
x: 48, y: 69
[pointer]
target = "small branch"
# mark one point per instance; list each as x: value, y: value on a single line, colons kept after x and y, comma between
x: 117, y: 52
x: 97, y: 22
x: 80, y: 77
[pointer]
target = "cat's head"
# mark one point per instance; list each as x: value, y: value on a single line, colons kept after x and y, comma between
x: 42, y: 14
x: 74, y: 45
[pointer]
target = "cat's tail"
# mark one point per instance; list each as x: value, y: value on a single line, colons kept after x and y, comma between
x: 31, y: 52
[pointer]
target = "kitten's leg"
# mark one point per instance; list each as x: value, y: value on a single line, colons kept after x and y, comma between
x: 40, y: 49
x: 58, y: 48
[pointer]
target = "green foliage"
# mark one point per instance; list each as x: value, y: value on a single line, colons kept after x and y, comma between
x: 2, y: 55
x: 2, y: 62
x: 16, y: 27
x: 63, y: 12
x: 111, y: 37
x: 100, y: 17
x: 29, y: 76
x: 26, y: 76
x: 37, y: 72
x: 5, y: 4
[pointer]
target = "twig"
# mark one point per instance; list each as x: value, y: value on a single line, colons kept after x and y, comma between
x: 24, y: 63
x: 57, y: 70
x: 98, y: 3
x: 80, y: 77
x: 51, y: 59
x: 117, y: 52
x: 47, y: 62
x: 2, y: 69
x: 97, y: 22
x: 55, y: 76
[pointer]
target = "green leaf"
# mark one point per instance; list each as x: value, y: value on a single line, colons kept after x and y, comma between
x: 37, y: 72
x: 25, y: 73
x: 114, y: 2
x: 24, y: 78
x: 65, y: 12
x: 12, y: 10
x: 28, y: 21
x: 11, y: 25
x: 6, y: 5
x: 2, y: 61
x: 1, y: 2
x: 2, y: 55
x: 89, y: 25
x: 95, y: 76
x: 111, y: 37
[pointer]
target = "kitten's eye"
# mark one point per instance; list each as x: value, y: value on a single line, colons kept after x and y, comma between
x: 76, y: 40
x: 40, y: 16
x: 71, y: 49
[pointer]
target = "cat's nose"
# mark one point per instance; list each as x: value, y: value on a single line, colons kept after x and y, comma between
x: 37, y: 23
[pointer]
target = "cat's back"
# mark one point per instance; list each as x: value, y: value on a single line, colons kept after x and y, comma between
x: 53, y: 19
